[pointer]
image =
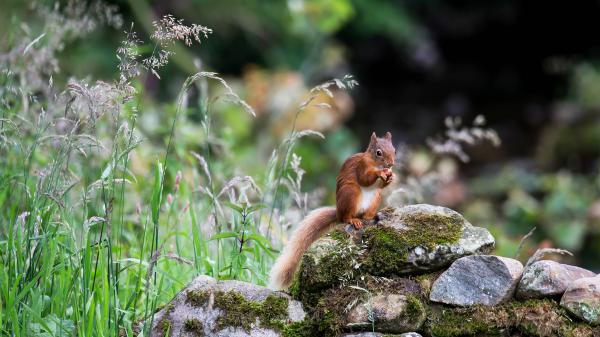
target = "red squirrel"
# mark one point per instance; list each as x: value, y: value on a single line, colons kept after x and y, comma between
x: 358, y: 195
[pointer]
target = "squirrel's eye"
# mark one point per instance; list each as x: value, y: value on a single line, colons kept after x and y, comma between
x: 378, y: 153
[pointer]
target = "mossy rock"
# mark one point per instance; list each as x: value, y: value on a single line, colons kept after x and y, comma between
x: 419, y: 239
x: 582, y: 299
x: 207, y: 307
x: 537, y: 318
x: 389, y: 306
x: 406, y: 240
x: 329, y: 261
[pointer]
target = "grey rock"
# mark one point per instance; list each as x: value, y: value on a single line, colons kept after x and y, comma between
x: 195, y: 310
x: 582, y: 299
x: 548, y: 278
x: 472, y: 280
x: 394, y: 313
x: 428, y: 221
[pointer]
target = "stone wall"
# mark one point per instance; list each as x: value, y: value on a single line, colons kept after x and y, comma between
x: 416, y: 270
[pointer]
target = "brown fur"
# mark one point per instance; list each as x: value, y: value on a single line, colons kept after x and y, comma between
x: 315, y: 225
x: 361, y: 170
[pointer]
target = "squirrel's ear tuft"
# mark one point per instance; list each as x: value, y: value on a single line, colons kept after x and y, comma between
x: 388, y: 136
x: 373, y: 139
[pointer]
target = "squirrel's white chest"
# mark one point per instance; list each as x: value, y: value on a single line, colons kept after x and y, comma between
x: 367, y: 197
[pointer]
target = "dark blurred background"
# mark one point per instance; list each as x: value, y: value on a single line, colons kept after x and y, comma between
x: 516, y: 62
x: 529, y: 67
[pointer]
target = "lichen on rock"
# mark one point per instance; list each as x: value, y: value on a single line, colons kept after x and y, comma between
x: 482, y: 279
x: 546, y: 278
x: 582, y: 299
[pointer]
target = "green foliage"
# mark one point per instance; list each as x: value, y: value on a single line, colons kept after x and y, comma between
x: 328, y: 16
x: 113, y: 201
x: 247, y: 237
x: 557, y: 204
x: 113, y: 198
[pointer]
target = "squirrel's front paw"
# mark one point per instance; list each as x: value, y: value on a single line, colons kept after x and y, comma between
x: 390, y: 178
x: 357, y: 223
x: 386, y: 176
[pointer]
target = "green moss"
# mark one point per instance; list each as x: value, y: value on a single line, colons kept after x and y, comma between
x: 240, y: 312
x: 194, y: 326
x: 426, y: 282
x: 339, y: 235
x: 415, y: 310
x: 388, y: 248
x: 197, y: 298
x: 332, y: 310
x: 329, y: 323
x: 298, y: 329
x: 164, y: 326
x: 547, y: 318
x: 326, y: 263
x: 531, y: 318
x: 454, y: 322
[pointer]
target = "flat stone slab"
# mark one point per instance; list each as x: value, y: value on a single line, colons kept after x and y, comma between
x: 472, y: 280
x: 207, y: 307
x: 548, y: 278
x: 582, y: 299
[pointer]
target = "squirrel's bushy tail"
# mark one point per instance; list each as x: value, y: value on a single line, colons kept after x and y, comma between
x: 315, y: 225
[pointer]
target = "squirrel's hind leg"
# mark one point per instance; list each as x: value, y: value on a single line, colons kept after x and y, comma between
x: 347, y: 203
